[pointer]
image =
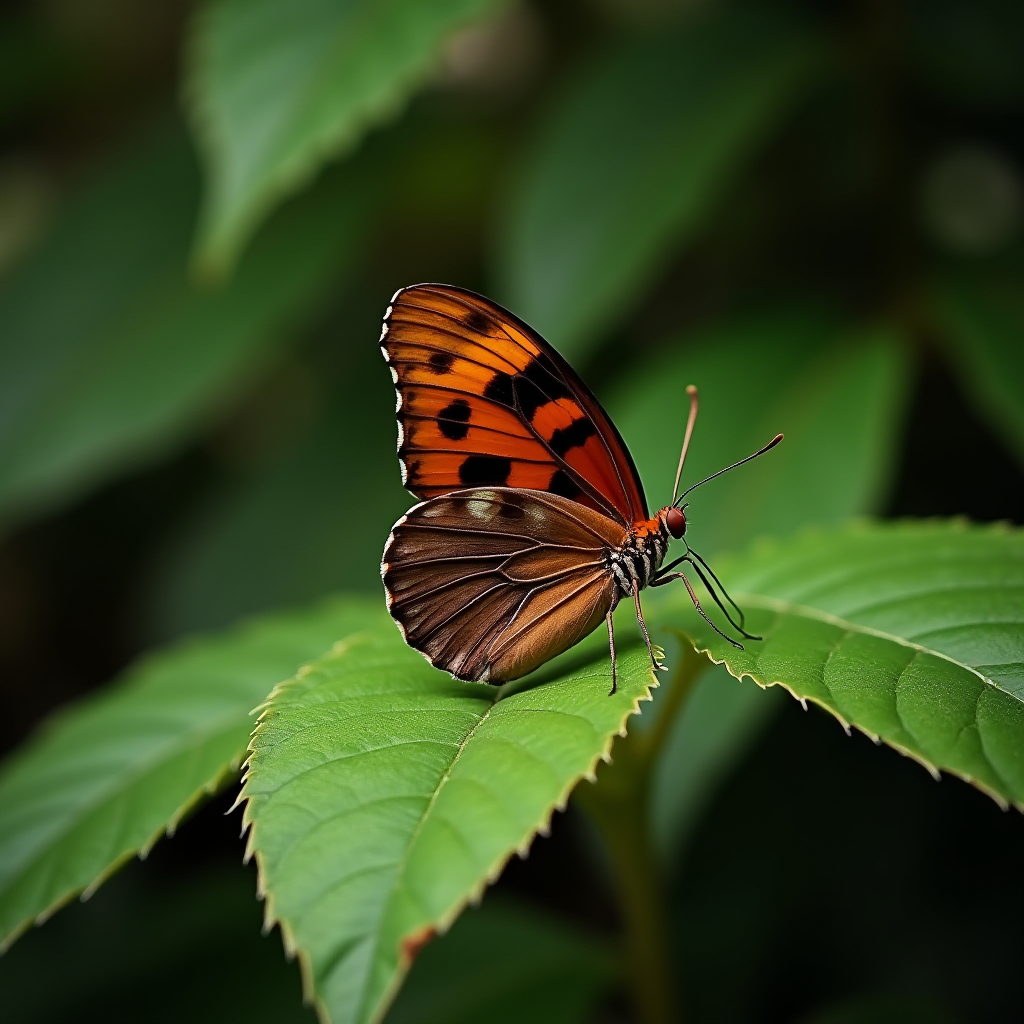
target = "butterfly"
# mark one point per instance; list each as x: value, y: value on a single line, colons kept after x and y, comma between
x: 532, y: 524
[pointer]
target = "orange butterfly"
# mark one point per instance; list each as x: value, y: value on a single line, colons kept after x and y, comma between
x: 534, y: 524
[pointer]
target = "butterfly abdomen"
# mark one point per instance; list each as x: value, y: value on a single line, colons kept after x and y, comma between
x: 640, y: 557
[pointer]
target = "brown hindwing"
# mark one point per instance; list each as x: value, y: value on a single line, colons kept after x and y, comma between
x: 489, y: 583
x: 484, y: 401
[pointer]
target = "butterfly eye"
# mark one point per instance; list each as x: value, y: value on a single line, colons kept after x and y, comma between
x: 675, y: 520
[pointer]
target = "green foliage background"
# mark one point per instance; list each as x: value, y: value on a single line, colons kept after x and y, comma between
x: 813, y: 212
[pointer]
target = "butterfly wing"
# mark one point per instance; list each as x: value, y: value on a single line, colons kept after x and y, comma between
x: 489, y: 583
x: 483, y: 400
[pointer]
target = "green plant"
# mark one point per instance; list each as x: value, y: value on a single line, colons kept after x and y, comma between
x: 729, y: 195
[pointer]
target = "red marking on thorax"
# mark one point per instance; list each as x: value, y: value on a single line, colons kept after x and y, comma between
x: 648, y: 526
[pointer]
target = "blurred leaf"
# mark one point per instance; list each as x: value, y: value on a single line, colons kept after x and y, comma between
x: 837, y: 395
x: 634, y: 159
x: 314, y: 518
x: 149, y: 950
x: 314, y: 521
x: 277, y: 87
x: 839, y: 400
x: 912, y: 632
x: 505, y: 964
x: 108, y: 355
x: 972, y: 51
x: 383, y: 795
x: 982, y: 316
x: 107, y: 777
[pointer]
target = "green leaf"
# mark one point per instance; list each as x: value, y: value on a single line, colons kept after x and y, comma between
x: 505, y: 964
x: 108, y: 777
x: 982, y: 316
x: 634, y: 159
x: 108, y: 355
x: 836, y: 393
x: 165, y: 942
x: 383, y: 796
x: 838, y: 396
x: 912, y: 632
x: 277, y: 87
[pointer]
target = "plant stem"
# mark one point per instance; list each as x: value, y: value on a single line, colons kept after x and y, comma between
x: 640, y: 891
x: 619, y: 805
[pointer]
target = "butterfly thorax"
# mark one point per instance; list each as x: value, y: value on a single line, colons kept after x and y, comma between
x: 634, y: 564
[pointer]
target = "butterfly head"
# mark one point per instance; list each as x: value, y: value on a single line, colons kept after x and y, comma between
x: 675, y: 520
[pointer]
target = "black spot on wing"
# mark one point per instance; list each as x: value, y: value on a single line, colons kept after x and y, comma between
x: 564, y: 485
x: 531, y: 388
x: 499, y: 389
x: 453, y: 419
x: 477, y: 321
x: 441, y: 362
x: 530, y: 397
x: 485, y: 471
x: 536, y: 385
x: 507, y: 510
x: 573, y: 436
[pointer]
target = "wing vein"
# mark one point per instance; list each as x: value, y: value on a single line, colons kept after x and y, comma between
x: 502, y: 644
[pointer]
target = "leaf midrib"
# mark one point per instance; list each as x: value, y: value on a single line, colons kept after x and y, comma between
x: 790, y: 608
x: 403, y: 863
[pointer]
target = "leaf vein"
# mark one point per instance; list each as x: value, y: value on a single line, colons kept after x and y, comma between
x: 789, y: 608
x: 399, y: 880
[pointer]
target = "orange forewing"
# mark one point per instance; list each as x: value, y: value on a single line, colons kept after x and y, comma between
x: 484, y: 401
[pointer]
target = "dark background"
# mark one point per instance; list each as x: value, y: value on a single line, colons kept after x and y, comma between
x: 828, y: 881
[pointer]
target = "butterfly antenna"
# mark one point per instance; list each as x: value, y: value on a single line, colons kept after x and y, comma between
x: 690, y: 421
x: 767, y: 448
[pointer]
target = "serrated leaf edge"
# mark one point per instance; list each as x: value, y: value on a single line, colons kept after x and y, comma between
x: 270, y: 918
x: 776, y: 604
x: 207, y: 789
x: 214, y: 784
x: 933, y: 770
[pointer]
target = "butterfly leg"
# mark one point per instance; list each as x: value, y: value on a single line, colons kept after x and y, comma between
x: 611, y: 644
x: 662, y: 580
x: 738, y: 626
x: 658, y: 667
